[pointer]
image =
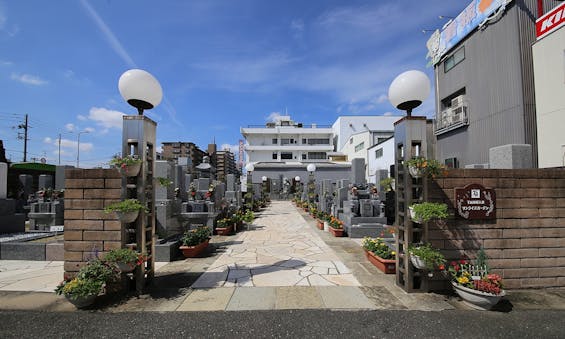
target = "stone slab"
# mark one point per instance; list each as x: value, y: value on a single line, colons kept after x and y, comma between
x: 215, y: 299
x: 167, y: 252
x: 294, y: 298
x: 3, y: 180
x: 22, y: 251
x: 55, y: 252
x: 511, y: 156
x: 252, y: 298
x: 344, y: 297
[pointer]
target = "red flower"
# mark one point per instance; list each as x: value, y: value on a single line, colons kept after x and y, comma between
x: 456, y: 268
x: 124, y: 166
x: 441, y: 267
x: 453, y: 263
x: 462, y: 262
x: 193, y: 193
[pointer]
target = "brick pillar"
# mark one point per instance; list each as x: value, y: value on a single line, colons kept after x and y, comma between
x: 88, y: 230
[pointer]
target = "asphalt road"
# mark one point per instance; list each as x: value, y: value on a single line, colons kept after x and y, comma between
x: 284, y: 324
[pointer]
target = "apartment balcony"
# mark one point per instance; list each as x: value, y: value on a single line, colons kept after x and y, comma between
x: 290, y: 148
x: 277, y: 130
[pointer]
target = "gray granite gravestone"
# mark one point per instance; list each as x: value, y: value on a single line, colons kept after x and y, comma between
x: 27, y: 184
x: 511, y: 156
x: 3, y: 180
x: 358, y: 171
x: 45, y: 181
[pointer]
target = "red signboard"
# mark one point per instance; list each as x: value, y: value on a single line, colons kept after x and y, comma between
x: 475, y: 202
x: 550, y: 21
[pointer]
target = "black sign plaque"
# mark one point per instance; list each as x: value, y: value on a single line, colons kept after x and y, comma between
x: 475, y: 202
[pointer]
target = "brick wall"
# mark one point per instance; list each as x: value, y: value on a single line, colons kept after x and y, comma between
x: 526, y: 243
x: 88, y: 230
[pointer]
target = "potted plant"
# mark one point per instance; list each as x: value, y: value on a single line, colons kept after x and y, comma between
x: 474, y: 283
x: 425, y: 257
x: 128, y: 165
x: 127, y: 210
x: 320, y: 217
x: 83, y: 289
x: 379, y: 254
x: 165, y: 182
x: 195, y: 241
x: 420, y: 166
x: 427, y: 211
x: 224, y: 226
x: 336, y: 227
x: 125, y: 259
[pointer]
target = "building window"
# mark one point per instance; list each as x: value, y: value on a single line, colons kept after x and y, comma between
x: 318, y: 141
x: 379, y: 153
x: 454, y: 59
x: 379, y: 140
x: 304, y: 141
x: 287, y: 141
x: 286, y: 155
x: 275, y: 156
x: 316, y: 155
x: 360, y: 147
x: 351, y: 140
x: 275, y: 141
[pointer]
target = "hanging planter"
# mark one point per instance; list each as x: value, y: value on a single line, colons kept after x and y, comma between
x: 127, y: 217
x: 126, y: 210
x: 132, y: 170
x: 129, y: 165
x: 417, y: 262
x: 415, y: 172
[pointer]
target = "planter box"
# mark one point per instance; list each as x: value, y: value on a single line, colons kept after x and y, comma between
x: 320, y: 225
x: 388, y: 266
x: 477, y: 299
x: 337, y: 232
x: 193, y: 251
x: 224, y: 230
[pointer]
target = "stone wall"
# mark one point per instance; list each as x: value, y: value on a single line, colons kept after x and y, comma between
x: 526, y: 243
x: 88, y: 230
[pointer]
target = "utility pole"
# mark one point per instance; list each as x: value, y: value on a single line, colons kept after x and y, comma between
x: 24, y: 126
x: 59, y: 148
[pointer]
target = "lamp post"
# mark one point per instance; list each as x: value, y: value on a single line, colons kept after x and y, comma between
x: 140, y: 89
x: 408, y: 90
x: 264, y: 188
x: 311, y: 168
x: 250, y: 168
x: 298, y: 186
x: 78, y: 146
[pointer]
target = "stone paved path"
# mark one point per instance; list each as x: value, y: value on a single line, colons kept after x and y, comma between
x: 281, y: 249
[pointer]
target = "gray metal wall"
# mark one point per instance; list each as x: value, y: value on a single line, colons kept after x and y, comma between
x: 497, y: 75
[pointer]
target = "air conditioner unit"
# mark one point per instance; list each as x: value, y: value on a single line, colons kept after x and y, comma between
x: 459, y: 114
x: 457, y: 101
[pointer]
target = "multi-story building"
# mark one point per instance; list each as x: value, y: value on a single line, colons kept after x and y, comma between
x: 286, y: 141
x: 181, y: 149
x: 225, y: 164
x: 484, y: 80
x: 380, y: 126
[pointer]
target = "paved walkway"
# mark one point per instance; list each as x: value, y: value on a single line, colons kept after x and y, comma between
x: 282, y: 262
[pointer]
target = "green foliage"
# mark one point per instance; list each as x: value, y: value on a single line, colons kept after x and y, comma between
x: 427, y: 211
x: 432, y: 257
x: 224, y: 222
x: 482, y: 259
x: 386, y: 183
x: 99, y: 270
x: 124, y: 255
x: 196, y: 236
x: 431, y: 167
x: 77, y: 287
x: 248, y: 216
x: 335, y: 222
x: 128, y: 205
x: 378, y: 247
x: 165, y: 182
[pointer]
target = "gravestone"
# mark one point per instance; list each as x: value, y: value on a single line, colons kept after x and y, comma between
x: 180, y: 182
x: 10, y: 221
x: 60, y: 177
x: 230, y: 182
x: 202, y: 184
x: 3, y: 180
x: 45, y: 181
x: 27, y: 184
x: 358, y: 171
x: 511, y: 156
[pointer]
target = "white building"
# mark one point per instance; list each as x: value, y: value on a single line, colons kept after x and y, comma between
x: 381, y: 125
x: 549, y: 75
x: 286, y: 141
x: 379, y: 158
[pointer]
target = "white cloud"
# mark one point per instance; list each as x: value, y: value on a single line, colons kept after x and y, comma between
x: 382, y: 98
x: 28, y: 79
x: 106, y: 118
x: 89, y: 129
x: 71, y: 145
x: 81, y: 117
x: 274, y: 117
x: 70, y: 127
x: 232, y: 148
x: 388, y: 113
x: 47, y: 140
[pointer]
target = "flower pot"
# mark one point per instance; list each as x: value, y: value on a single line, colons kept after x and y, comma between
x: 477, y: 299
x: 125, y: 267
x: 131, y: 170
x: 413, y: 215
x: 193, y: 251
x: 224, y: 230
x: 388, y: 266
x: 127, y: 217
x: 337, y: 232
x: 80, y: 301
x: 417, y: 262
x: 415, y: 172
x: 320, y: 225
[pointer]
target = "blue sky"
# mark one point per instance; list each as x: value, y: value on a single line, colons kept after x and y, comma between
x: 222, y: 65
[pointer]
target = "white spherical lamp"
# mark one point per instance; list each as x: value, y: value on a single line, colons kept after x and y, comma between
x: 264, y: 178
x: 140, y: 89
x: 311, y: 168
x: 249, y: 167
x: 297, y: 178
x: 408, y: 90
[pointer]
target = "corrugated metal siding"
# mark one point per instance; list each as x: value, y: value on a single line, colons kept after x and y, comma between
x: 497, y: 74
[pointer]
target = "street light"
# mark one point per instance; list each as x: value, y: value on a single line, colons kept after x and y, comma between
x: 408, y: 90
x: 249, y: 168
x: 78, y: 145
x: 60, y: 145
x: 311, y: 168
x: 140, y: 89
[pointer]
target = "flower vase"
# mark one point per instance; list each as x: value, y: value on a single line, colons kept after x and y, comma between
x: 477, y: 299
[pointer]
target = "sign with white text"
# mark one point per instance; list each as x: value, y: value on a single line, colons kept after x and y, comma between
x: 474, y: 201
x: 550, y: 21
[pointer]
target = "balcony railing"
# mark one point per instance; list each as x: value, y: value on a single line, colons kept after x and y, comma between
x: 450, y: 119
